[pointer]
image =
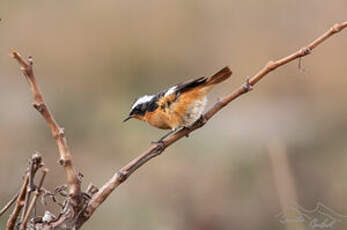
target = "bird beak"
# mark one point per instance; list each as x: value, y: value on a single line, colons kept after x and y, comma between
x: 129, y: 117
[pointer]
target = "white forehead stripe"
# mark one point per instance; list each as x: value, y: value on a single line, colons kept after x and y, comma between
x: 142, y: 100
x: 170, y: 91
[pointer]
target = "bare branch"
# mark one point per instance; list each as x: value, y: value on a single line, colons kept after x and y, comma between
x: 270, y: 66
x: 19, y: 204
x: 34, y: 164
x: 37, y: 193
x: 9, y: 204
x: 56, y: 130
x: 154, y: 150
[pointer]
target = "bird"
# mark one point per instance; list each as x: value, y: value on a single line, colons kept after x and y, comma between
x: 177, y: 107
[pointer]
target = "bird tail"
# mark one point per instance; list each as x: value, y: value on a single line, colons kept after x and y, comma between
x: 218, y: 77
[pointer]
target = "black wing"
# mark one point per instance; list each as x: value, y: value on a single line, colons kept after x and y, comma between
x: 175, y: 90
x: 187, y: 85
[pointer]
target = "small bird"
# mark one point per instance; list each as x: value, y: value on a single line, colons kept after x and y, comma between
x: 179, y: 106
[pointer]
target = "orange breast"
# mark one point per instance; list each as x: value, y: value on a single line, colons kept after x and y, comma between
x: 172, y: 112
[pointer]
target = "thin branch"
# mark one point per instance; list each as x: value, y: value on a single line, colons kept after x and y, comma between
x: 9, y: 204
x: 29, y: 189
x: 57, y: 131
x: 19, y: 204
x: 37, y: 193
x: 156, y: 149
x: 34, y: 164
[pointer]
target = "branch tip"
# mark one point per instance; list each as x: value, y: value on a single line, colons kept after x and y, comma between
x: 37, y: 159
x: 57, y: 132
x: 15, y: 54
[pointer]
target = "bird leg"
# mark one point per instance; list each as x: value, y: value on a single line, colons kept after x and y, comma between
x: 189, y: 127
x: 165, y: 136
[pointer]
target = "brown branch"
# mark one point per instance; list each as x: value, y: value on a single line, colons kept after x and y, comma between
x: 56, y: 130
x: 156, y: 149
x: 34, y: 164
x: 19, y: 204
x: 37, y: 193
x: 9, y: 204
x: 270, y: 66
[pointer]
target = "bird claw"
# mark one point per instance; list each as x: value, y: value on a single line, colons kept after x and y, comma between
x: 160, y: 144
x: 160, y: 141
x: 202, y: 120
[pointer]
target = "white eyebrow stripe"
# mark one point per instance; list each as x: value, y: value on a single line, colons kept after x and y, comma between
x: 142, y: 100
x: 170, y: 91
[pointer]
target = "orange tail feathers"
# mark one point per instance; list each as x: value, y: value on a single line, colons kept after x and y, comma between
x: 220, y: 76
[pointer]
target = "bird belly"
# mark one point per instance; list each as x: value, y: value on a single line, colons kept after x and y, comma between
x: 163, y: 119
x: 175, y: 117
x: 173, y: 113
x: 194, y: 111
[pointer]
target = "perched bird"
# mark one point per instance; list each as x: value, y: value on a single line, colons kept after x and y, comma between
x: 179, y: 106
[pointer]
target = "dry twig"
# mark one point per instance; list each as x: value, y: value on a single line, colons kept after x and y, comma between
x: 37, y: 193
x: 57, y: 131
x: 9, y: 204
x: 19, y: 204
x: 34, y: 164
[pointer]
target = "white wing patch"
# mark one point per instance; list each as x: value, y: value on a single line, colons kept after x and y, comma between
x: 170, y: 91
x: 142, y: 100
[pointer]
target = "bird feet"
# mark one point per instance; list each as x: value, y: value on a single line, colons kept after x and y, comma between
x: 161, y: 140
x: 201, y: 121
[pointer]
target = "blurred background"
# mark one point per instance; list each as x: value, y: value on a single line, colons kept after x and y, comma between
x: 281, y: 144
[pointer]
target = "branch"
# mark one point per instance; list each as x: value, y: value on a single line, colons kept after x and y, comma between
x: 57, y: 131
x: 34, y: 164
x: 156, y: 149
x: 19, y: 204
x: 37, y: 193
x: 9, y: 204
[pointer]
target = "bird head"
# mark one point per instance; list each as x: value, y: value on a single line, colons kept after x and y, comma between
x: 140, y: 107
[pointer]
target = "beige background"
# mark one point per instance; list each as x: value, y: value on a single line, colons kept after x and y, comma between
x: 92, y: 58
